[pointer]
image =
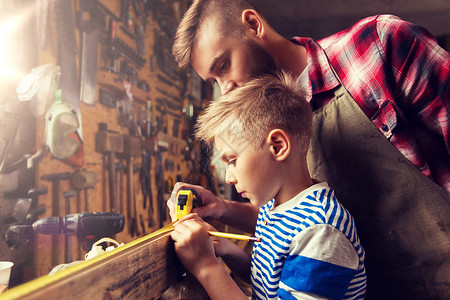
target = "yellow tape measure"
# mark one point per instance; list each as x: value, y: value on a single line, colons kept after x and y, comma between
x: 186, y: 200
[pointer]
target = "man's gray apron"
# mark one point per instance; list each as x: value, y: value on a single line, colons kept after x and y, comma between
x: 402, y: 217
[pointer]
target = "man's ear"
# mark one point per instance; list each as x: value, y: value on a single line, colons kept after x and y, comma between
x: 279, y: 143
x: 253, y: 21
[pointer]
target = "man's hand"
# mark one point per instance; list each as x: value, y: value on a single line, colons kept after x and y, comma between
x: 210, y: 206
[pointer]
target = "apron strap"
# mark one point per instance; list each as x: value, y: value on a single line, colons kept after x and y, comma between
x: 402, y: 217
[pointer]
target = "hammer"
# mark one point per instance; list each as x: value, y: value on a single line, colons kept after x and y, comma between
x: 131, y: 149
x: 56, y: 179
x: 68, y: 257
x: 109, y: 143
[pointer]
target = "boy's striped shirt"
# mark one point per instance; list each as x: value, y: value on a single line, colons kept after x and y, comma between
x: 309, y: 245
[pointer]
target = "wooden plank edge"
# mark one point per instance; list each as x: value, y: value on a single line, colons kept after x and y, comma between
x: 146, y: 266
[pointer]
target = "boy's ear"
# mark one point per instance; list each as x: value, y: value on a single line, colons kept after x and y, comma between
x: 279, y: 143
x: 253, y: 21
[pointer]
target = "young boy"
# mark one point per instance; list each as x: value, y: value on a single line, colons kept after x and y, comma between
x: 310, y: 248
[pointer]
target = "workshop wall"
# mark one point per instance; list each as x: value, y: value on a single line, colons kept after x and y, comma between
x: 137, y: 110
x: 134, y: 107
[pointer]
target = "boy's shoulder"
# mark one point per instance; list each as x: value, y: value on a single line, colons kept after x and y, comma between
x: 315, y: 195
x: 316, y: 205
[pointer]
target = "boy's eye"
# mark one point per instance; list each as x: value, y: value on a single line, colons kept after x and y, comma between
x: 232, y: 162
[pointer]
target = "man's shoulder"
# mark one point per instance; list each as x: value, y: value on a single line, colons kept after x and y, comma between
x: 371, y: 26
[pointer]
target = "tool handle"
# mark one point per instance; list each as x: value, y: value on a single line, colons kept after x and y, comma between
x: 112, y: 182
x: 97, y: 224
x: 57, y: 176
x: 37, y: 191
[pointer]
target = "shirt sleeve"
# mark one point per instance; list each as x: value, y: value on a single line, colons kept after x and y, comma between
x: 320, y: 265
x: 420, y: 71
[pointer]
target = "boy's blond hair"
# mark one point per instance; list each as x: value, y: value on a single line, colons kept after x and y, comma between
x: 254, y: 109
x: 226, y: 14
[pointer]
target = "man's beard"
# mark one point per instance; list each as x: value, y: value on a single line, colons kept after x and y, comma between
x: 260, y: 63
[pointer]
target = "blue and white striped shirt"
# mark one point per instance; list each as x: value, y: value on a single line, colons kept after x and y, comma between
x: 309, y: 250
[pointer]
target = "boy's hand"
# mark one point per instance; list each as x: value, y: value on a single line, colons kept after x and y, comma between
x: 193, y: 244
x: 210, y: 206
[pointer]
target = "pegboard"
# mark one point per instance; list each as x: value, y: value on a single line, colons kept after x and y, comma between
x: 159, y: 92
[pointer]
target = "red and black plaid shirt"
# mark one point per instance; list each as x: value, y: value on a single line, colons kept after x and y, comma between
x: 400, y: 78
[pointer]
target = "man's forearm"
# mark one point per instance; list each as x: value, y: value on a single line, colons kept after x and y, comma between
x: 240, y: 215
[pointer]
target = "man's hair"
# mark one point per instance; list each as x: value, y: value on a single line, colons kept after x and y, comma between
x: 259, y: 106
x: 225, y: 13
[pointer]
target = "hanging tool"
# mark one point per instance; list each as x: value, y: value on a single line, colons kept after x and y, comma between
x: 132, y: 149
x: 118, y: 48
x: 68, y: 254
x: 142, y: 223
x: 88, y: 19
x: 120, y: 170
x: 28, y: 161
x: 109, y: 143
x: 145, y: 178
x: 111, y: 55
x: 167, y: 94
x: 68, y: 48
x: 140, y: 24
x: 7, y: 147
x: 106, y: 10
x: 124, y: 10
x: 22, y: 208
x: 56, y: 179
x: 163, y: 57
x: 84, y: 180
x: 159, y: 178
x: 22, y: 214
x: 42, y: 9
x: 146, y: 125
x: 107, y: 98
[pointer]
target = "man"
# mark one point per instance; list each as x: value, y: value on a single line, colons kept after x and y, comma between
x: 398, y: 77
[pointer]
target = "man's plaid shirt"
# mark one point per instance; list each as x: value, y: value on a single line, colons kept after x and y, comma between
x: 399, y: 76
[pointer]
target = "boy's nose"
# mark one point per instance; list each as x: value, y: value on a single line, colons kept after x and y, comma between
x: 229, y: 178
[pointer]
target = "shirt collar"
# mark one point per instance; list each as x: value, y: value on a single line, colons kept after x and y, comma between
x: 296, y: 200
x: 321, y: 77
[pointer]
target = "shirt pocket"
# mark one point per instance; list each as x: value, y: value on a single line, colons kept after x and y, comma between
x: 385, y: 119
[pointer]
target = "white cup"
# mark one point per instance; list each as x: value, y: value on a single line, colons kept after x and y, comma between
x: 5, y: 272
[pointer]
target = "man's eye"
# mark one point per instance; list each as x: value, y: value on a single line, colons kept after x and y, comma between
x: 223, y: 66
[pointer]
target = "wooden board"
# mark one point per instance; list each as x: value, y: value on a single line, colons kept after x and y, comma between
x: 142, y: 269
